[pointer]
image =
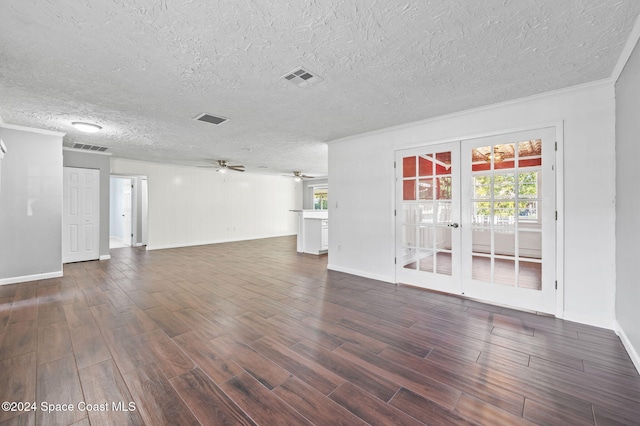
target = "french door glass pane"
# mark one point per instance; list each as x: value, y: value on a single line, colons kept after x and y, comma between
x: 426, y: 261
x: 409, y: 167
x: 443, y: 215
x: 409, y: 236
x: 426, y: 178
x: 481, y: 267
x: 530, y: 153
x: 409, y: 190
x: 409, y: 213
x: 530, y: 275
x: 425, y: 165
x: 425, y: 189
x: 506, y: 230
x: 443, y: 263
x: 443, y: 237
x: 443, y: 188
x: 425, y: 212
x: 426, y: 237
x: 504, y: 243
x: 504, y: 271
x: 530, y: 245
x: 443, y: 163
x: 481, y: 241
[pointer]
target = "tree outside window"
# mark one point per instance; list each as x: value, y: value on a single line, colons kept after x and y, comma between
x: 320, y: 198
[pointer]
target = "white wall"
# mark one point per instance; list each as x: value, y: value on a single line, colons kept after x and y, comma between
x: 362, y: 186
x: 31, y: 205
x: 628, y: 205
x: 189, y: 205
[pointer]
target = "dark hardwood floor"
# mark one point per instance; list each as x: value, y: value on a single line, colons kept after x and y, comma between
x: 253, y: 333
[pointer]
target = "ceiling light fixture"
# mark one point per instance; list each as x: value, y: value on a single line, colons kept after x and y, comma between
x: 498, y: 156
x: 86, y: 127
x: 222, y: 169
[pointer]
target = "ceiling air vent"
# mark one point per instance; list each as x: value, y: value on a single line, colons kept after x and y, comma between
x: 90, y: 147
x: 209, y: 118
x: 301, y: 77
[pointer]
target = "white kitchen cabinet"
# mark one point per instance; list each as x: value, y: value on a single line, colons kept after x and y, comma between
x: 316, y: 235
x: 313, y: 231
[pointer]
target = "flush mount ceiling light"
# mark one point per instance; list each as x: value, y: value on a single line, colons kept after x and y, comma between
x: 86, y: 127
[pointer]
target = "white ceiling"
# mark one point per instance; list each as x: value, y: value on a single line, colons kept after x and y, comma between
x: 143, y: 69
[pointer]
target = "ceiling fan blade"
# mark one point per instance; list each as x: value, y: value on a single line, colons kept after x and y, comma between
x: 236, y: 168
x: 306, y: 177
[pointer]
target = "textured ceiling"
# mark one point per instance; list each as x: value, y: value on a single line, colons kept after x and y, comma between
x: 143, y: 69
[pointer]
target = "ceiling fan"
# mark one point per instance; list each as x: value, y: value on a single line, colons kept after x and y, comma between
x: 223, y: 167
x: 299, y: 176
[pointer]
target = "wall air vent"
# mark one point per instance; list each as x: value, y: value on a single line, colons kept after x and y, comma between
x: 302, y: 78
x: 209, y: 118
x: 86, y: 147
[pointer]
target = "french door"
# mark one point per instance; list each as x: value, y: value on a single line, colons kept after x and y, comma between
x: 427, y: 216
x: 477, y: 218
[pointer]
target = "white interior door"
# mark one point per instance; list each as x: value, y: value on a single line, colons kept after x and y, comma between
x: 81, y: 215
x: 477, y: 218
x: 427, y: 217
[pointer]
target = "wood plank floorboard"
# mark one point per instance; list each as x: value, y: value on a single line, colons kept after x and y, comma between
x: 251, y: 332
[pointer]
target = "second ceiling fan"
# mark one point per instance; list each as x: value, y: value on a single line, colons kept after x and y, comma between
x: 299, y: 176
x: 223, y: 167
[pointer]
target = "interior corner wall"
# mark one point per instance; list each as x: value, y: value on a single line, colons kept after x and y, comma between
x: 88, y: 160
x: 628, y: 204
x: 191, y: 206
x: 362, y: 235
x: 30, y: 206
x: 307, y: 194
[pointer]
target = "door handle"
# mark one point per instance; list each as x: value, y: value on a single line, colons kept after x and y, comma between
x: 453, y: 225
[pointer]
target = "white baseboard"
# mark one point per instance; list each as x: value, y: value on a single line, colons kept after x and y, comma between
x: 364, y: 274
x: 105, y: 257
x: 35, y: 277
x: 633, y: 353
x: 609, y: 324
x: 204, y: 243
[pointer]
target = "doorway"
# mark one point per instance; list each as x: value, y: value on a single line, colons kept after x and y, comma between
x: 477, y: 218
x: 121, y: 202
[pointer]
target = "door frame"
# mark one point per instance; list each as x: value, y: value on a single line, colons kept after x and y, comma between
x: 139, y: 206
x: 134, y: 188
x: 558, y: 125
